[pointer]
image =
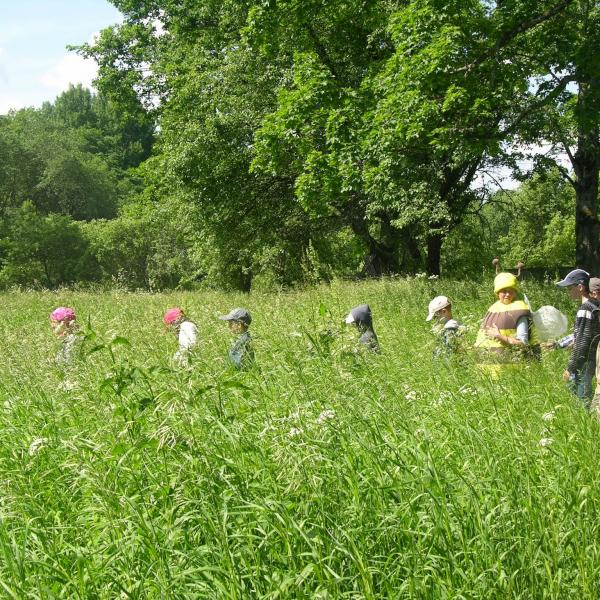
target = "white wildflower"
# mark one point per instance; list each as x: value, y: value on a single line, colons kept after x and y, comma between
x: 549, y: 416
x: 36, y: 444
x: 294, y: 431
x: 411, y: 396
x: 266, y: 430
x: 433, y: 277
x: 444, y: 396
x: 294, y: 416
x: 326, y: 415
x: 420, y: 275
x: 545, y: 442
x: 66, y: 385
x: 467, y: 391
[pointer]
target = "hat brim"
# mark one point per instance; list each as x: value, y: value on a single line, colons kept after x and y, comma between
x: 350, y: 319
x: 430, y: 316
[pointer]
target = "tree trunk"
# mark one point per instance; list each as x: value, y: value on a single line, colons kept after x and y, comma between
x: 586, y: 164
x: 381, y: 259
x: 434, y: 253
x: 587, y: 228
x: 393, y: 251
x: 244, y: 279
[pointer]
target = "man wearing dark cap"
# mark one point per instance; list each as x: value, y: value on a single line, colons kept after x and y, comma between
x: 241, y: 354
x: 586, y: 331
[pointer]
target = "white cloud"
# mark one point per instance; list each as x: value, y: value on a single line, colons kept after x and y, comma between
x: 71, y: 69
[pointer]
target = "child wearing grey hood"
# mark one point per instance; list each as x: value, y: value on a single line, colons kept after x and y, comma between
x: 361, y: 317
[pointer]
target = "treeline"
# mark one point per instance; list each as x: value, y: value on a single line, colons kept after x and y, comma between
x: 241, y: 143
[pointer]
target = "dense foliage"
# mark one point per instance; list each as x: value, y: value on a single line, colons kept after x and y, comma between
x: 242, y: 143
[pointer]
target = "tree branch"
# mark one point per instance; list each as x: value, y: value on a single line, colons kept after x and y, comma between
x: 322, y: 52
x: 536, y: 105
x: 508, y: 36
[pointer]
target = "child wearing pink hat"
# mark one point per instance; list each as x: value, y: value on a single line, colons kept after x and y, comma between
x: 64, y: 325
x: 186, y: 331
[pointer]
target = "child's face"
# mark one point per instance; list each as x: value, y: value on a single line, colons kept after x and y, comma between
x: 59, y: 328
x: 576, y: 291
x: 444, y: 314
x: 507, y: 295
x: 237, y: 326
x: 175, y: 325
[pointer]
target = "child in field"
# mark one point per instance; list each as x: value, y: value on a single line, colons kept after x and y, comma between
x: 586, y: 331
x: 446, y: 328
x: 241, y: 353
x: 361, y: 317
x: 186, y: 331
x: 507, y: 331
x: 64, y: 326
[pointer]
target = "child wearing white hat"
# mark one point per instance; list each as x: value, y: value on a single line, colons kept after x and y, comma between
x: 446, y: 328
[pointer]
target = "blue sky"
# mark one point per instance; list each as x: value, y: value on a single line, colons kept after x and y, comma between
x: 35, y: 65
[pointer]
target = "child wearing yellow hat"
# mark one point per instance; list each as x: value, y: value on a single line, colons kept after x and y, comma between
x: 508, y: 324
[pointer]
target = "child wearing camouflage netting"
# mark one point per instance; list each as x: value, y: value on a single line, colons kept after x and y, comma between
x: 446, y: 328
x: 241, y: 353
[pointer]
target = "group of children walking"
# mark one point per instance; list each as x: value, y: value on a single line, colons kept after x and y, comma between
x: 507, y: 333
x: 241, y: 354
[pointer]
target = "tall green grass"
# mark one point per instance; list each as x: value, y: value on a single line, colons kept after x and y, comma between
x: 318, y: 474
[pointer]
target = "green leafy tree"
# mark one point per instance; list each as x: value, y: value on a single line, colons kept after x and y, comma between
x: 71, y: 157
x: 43, y: 250
x: 215, y: 91
x: 534, y: 224
x: 147, y: 246
x: 20, y: 168
x: 76, y: 185
x: 373, y: 116
x: 122, y: 139
x: 564, y: 50
x: 388, y: 123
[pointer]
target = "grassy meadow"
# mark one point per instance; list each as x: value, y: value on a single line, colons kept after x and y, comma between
x: 319, y: 474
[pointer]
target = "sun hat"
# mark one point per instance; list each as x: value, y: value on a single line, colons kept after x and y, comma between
x: 360, y: 314
x: 62, y: 313
x: 436, y: 304
x: 503, y: 281
x: 172, y: 315
x: 574, y: 277
x: 237, y: 314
